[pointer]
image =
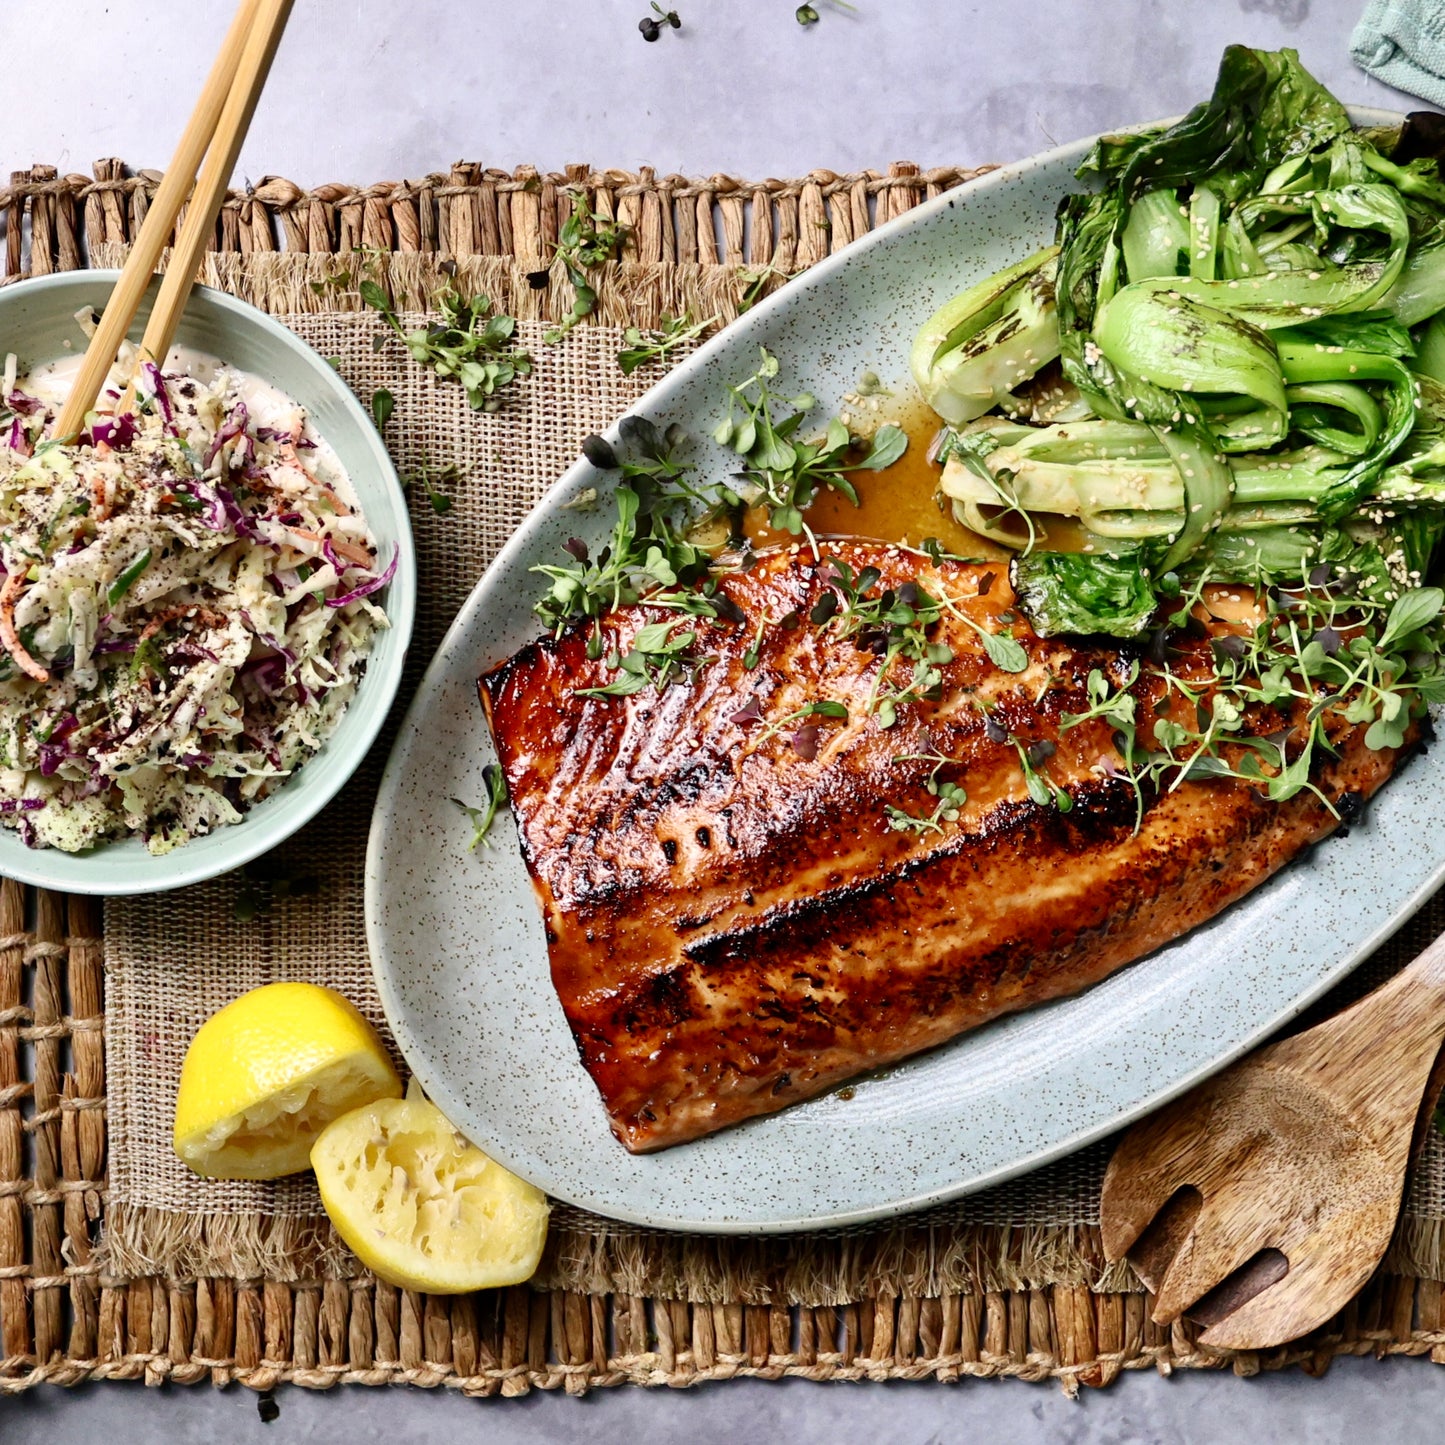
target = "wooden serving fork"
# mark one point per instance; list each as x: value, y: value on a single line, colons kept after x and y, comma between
x: 1263, y: 1200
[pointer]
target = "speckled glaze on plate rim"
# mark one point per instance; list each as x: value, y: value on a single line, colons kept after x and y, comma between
x: 460, y: 958
x: 37, y: 316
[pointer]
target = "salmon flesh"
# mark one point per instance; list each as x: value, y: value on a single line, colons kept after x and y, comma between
x: 734, y: 923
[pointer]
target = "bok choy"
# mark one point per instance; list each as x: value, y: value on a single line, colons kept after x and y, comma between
x: 1245, y: 314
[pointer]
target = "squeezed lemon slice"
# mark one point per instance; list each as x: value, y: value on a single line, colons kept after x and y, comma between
x: 267, y: 1073
x: 420, y: 1206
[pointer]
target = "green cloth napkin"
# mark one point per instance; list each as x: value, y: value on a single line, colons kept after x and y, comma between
x: 1402, y: 42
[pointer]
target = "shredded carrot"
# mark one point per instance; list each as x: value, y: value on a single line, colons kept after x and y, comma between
x: 100, y: 493
x: 9, y: 596
x: 349, y: 550
x: 99, y: 498
x: 292, y: 457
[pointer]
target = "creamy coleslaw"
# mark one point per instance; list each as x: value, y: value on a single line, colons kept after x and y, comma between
x: 187, y: 602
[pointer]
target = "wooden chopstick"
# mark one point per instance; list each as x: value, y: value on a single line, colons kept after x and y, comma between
x: 160, y: 221
x: 205, y: 206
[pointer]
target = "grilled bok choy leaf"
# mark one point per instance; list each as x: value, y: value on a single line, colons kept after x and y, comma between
x: 1248, y: 314
x: 986, y: 343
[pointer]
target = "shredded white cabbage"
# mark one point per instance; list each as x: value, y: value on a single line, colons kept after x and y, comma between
x: 185, y: 613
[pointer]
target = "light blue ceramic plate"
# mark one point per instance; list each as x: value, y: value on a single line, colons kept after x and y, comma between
x: 457, y: 941
x: 37, y: 320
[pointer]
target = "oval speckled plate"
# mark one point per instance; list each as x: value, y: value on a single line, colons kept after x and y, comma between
x: 456, y: 938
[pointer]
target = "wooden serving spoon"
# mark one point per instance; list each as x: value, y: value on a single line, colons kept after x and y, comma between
x: 1262, y: 1201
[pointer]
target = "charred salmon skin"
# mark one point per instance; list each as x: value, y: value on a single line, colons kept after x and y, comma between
x: 750, y: 899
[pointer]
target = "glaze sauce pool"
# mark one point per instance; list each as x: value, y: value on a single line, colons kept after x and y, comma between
x: 902, y: 504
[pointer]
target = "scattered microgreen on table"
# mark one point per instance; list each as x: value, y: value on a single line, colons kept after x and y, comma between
x: 431, y: 479
x: 586, y: 238
x: 755, y: 284
x: 646, y: 347
x: 808, y: 14
x: 651, y: 25
x: 470, y: 343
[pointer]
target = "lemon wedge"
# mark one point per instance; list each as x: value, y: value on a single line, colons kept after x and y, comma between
x: 420, y: 1206
x: 267, y: 1073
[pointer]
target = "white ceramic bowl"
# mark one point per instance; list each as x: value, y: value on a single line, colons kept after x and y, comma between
x: 37, y: 319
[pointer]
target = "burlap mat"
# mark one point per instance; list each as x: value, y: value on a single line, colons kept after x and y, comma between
x: 192, y: 1279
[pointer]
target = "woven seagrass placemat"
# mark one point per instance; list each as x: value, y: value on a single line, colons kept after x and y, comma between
x: 116, y: 1262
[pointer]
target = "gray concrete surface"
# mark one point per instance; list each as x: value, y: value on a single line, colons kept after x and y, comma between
x: 370, y: 91
x: 1359, y: 1401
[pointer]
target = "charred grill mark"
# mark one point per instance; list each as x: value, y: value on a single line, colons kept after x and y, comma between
x: 1101, y: 811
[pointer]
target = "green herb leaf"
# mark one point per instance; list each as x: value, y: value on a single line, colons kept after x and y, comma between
x: 782, y: 470
x: 375, y: 297
x: 1004, y: 651
x: 889, y: 443
x: 128, y: 578
x: 469, y: 344
x: 1412, y: 611
x: 482, y: 818
x: 644, y: 348
x: 383, y: 404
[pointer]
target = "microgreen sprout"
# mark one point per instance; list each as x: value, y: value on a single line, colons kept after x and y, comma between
x: 894, y: 625
x: 1033, y: 757
x: 646, y: 347
x: 951, y: 798
x: 469, y: 343
x: 482, y: 818
x: 755, y: 285
x: 431, y: 480
x: 805, y: 739
x: 586, y: 238
x: 782, y: 471
x: 649, y: 548
x: 651, y: 25
x: 1316, y: 647
x: 660, y: 653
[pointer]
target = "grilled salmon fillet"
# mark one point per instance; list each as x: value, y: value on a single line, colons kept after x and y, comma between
x: 734, y: 924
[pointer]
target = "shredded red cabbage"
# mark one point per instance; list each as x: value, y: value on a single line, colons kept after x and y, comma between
x: 233, y: 426
x: 24, y: 404
x: 214, y: 514
x: 268, y: 673
x: 115, y: 431
x: 275, y: 434
x: 238, y: 519
x: 375, y: 584
x: 53, y: 751
x: 163, y: 397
